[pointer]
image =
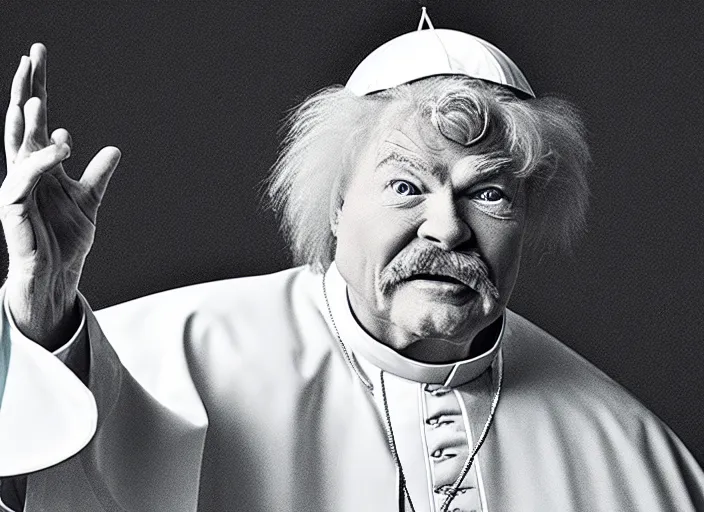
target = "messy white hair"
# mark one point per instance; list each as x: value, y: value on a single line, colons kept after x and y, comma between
x: 543, y: 141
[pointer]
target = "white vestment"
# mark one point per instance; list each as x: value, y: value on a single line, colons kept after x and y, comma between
x: 237, y: 396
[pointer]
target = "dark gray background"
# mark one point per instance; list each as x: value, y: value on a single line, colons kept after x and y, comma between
x: 193, y: 94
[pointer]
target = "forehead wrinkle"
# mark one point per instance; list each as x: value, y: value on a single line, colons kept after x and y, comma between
x: 425, y: 131
x: 415, y: 134
x: 430, y: 133
x: 399, y: 132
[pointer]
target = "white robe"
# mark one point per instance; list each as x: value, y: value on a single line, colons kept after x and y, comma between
x: 236, y: 395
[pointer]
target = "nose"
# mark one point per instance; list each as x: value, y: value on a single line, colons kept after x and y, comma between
x: 444, y: 226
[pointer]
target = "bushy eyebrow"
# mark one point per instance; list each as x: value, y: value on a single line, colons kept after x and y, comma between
x: 418, y: 164
x: 486, y: 167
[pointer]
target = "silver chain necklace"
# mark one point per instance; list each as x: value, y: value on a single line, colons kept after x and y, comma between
x: 403, y: 488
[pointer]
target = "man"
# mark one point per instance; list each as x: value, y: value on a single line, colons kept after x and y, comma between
x: 385, y: 374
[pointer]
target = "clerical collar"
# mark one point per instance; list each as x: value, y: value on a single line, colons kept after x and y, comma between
x: 362, y: 344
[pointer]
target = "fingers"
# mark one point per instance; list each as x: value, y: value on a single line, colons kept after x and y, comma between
x: 37, y: 56
x: 29, y: 81
x: 20, y: 90
x: 35, y: 130
x: 61, y: 136
x: 14, y: 120
x: 99, y: 171
x: 14, y: 132
x: 17, y: 186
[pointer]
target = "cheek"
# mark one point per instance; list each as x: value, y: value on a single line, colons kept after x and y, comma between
x: 356, y: 249
x: 500, y: 243
x: 369, y: 236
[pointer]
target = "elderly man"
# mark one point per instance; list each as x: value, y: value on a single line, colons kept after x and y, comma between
x: 385, y: 373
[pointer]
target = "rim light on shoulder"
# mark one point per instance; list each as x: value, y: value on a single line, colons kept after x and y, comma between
x: 432, y: 52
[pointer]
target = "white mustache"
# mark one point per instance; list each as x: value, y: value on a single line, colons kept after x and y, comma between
x: 467, y: 268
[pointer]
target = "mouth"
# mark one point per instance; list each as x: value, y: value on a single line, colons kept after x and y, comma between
x: 437, y: 278
x: 448, y: 289
x: 442, y: 286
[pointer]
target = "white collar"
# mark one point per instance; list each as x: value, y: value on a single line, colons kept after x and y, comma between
x: 387, y: 359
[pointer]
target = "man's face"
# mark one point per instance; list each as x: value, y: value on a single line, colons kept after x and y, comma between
x: 428, y: 239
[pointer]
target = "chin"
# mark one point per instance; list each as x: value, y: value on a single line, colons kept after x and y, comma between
x: 429, y: 318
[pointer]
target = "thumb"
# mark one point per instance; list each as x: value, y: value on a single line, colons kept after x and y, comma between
x: 99, y: 171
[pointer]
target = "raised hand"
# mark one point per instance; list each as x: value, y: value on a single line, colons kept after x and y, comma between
x: 48, y: 218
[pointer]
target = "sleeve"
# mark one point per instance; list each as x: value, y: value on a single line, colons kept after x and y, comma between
x: 46, y: 413
x: 138, y: 404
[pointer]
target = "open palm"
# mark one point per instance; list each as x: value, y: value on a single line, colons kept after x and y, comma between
x: 48, y: 218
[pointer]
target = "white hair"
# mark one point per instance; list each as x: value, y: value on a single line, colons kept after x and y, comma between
x: 543, y: 140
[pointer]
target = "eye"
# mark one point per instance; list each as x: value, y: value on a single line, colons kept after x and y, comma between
x: 490, y: 195
x: 404, y: 188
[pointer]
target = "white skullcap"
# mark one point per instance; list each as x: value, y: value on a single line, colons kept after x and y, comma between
x: 433, y: 52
